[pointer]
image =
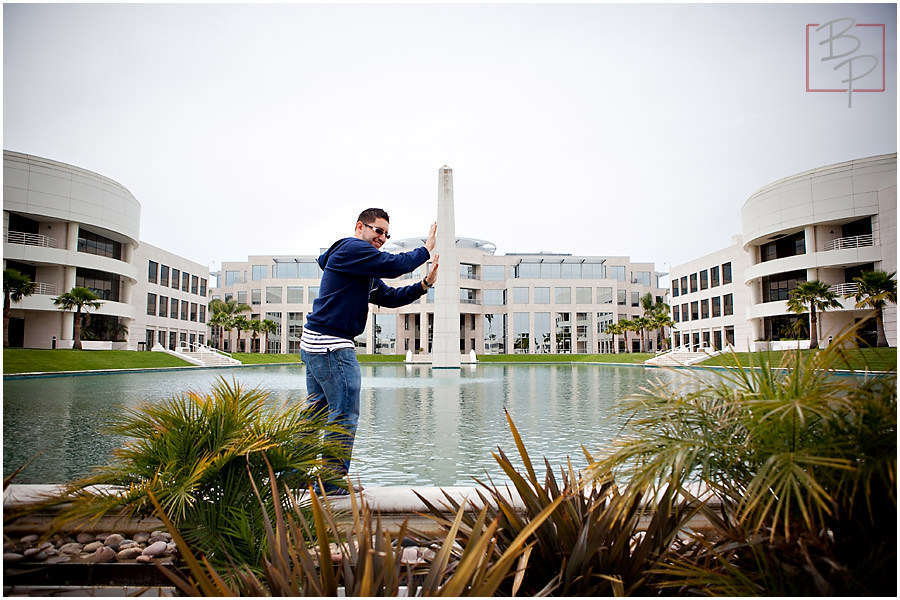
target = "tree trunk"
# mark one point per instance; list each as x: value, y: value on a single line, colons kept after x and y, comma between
x: 7, y: 306
x: 879, y: 328
x: 76, y: 331
x: 813, y: 327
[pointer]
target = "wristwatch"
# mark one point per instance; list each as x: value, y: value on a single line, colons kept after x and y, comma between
x: 427, y: 285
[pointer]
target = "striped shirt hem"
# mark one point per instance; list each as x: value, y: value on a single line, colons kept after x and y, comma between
x: 319, y: 343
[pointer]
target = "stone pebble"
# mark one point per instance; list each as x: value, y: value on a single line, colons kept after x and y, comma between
x: 142, y: 546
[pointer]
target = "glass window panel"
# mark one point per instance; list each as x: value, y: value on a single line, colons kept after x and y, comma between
x: 617, y: 272
x: 256, y: 296
x: 153, y: 272
x: 542, y: 333
x: 294, y: 294
x: 494, y: 297
x: 273, y: 294
x: 313, y: 294
x: 542, y: 295
x: 520, y: 295
x: 604, y: 295
x: 521, y: 334
x: 563, y: 295
x: 258, y: 272
x: 583, y: 295
x: 494, y: 272
x: 164, y: 306
x: 164, y: 275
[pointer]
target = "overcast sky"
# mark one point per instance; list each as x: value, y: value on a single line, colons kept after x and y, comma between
x: 607, y: 129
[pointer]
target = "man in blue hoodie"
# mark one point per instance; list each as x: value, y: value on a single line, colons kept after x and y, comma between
x: 351, y: 280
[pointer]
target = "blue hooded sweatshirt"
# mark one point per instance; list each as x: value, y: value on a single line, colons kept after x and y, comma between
x: 352, y: 271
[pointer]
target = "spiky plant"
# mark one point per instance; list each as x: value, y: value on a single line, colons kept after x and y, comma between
x: 797, y: 465
x: 197, y: 454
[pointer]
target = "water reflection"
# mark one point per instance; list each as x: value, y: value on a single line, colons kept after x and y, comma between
x: 418, y: 426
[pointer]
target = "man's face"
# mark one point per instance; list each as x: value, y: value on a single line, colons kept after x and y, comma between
x: 367, y: 233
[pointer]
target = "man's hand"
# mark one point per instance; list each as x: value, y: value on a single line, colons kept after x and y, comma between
x: 432, y: 273
x: 429, y: 243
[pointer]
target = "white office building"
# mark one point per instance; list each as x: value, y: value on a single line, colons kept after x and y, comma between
x: 829, y: 224
x: 514, y: 303
x: 67, y: 227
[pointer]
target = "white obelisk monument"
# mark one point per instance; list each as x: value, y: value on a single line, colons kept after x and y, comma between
x: 445, y: 343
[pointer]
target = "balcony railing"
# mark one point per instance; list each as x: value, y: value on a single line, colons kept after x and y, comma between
x: 30, y: 239
x: 844, y: 289
x: 856, y: 241
x: 46, y: 289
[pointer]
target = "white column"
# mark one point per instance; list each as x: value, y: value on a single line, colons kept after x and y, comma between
x: 446, y: 292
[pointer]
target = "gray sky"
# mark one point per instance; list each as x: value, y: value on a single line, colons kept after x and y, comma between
x: 633, y: 130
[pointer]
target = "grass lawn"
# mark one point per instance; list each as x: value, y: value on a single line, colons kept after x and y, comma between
x: 19, y: 360
x: 859, y: 359
x: 22, y: 360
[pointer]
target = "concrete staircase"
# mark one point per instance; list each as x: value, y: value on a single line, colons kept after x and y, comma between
x: 682, y: 356
x: 200, y: 355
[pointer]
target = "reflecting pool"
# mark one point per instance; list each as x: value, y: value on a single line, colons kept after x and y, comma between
x: 418, y: 426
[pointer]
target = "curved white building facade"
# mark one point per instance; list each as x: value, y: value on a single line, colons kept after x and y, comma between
x: 829, y: 224
x: 66, y: 227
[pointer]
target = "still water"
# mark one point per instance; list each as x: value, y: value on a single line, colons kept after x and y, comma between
x: 418, y: 426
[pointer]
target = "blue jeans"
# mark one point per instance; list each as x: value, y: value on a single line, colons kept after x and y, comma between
x: 333, y: 383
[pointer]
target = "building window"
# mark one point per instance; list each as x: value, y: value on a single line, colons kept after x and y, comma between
x: 467, y: 271
x: 184, y: 310
x: 202, y: 314
x: 635, y: 298
x: 273, y: 294
x: 194, y: 311
x: 258, y: 272
x: 582, y: 295
x: 521, y: 333
x: 550, y: 270
x: 695, y: 311
x: 542, y: 295
x: 467, y: 296
x: 91, y: 243
x: 716, y: 306
x: 255, y: 296
x: 494, y: 297
x: 153, y: 272
x: 564, y: 333
x: 714, y: 276
x: 604, y: 295
x: 704, y: 309
x: 203, y: 287
x: 642, y: 278
x: 151, y: 304
x: 164, y: 275
x: 675, y: 289
x: 684, y: 312
x: 684, y: 288
x: 726, y: 273
x: 185, y: 281
x: 314, y: 293
x: 173, y: 309
x: 164, y: 306
x: 779, y: 287
x: 789, y: 245
x: 728, y: 301
x: 520, y: 295
x: 617, y: 272
x: 105, y: 285
x: 233, y: 277
x: 621, y: 297
x: 704, y: 279
x: 693, y: 282
x: 176, y: 275
x: 542, y: 333
x: 242, y: 297
x: 676, y: 314
x: 294, y: 294
x: 494, y: 272
x: 494, y: 327
x: 564, y: 295
x: 195, y: 284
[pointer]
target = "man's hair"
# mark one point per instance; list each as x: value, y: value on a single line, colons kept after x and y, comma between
x: 370, y: 214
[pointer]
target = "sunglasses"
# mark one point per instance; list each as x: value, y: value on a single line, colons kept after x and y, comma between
x: 379, y: 231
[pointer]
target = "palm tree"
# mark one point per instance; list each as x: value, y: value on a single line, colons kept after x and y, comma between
x: 662, y: 320
x: 875, y: 289
x: 218, y: 323
x: 620, y: 328
x: 240, y: 323
x: 653, y: 310
x: 269, y: 326
x: 16, y: 286
x: 230, y: 308
x: 641, y: 324
x: 78, y: 298
x: 255, y: 326
x: 813, y: 296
